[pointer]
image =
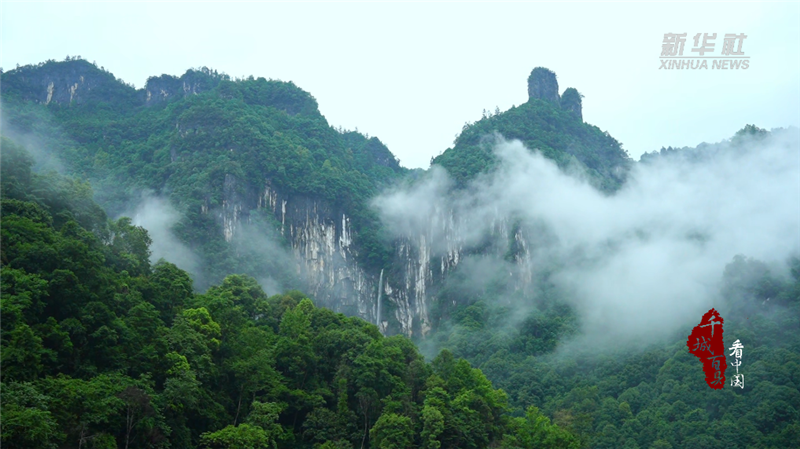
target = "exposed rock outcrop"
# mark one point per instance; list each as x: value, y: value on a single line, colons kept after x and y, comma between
x: 325, y: 257
x: 163, y: 88
x: 542, y: 84
x: 76, y: 81
x: 571, y: 101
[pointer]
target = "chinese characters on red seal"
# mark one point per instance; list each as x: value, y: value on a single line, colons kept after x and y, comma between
x: 705, y: 343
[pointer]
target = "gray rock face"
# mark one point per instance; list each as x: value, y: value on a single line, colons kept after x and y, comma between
x: 160, y: 89
x: 325, y: 258
x: 77, y: 81
x: 324, y: 255
x: 571, y: 102
x: 542, y: 84
x: 163, y: 88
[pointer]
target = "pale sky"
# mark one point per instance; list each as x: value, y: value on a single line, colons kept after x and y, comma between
x: 413, y: 73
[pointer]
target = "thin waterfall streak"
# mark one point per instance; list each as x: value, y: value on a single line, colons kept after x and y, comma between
x: 380, y: 293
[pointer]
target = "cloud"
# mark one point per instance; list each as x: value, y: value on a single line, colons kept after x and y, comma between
x: 157, y: 216
x: 269, y: 261
x: 636, y: 264
x: 39, y: 138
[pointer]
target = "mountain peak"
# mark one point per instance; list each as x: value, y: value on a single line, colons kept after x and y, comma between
x: 542, y: 84
x: 72, y: 81
x: 550, y: 123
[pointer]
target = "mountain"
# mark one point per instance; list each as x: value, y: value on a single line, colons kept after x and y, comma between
x: 550, y: 123
x: 245, y: 159
x: 236, y: 158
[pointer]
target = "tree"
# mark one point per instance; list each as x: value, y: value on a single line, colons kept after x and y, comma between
x: 392, y: 431
x: 137, y: 409
x: 27, y: 422
x: 433, y: 426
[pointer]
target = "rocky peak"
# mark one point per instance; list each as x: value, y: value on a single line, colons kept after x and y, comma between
x: 167, y: 87
x: 542, y: 84
x: 571, y: 102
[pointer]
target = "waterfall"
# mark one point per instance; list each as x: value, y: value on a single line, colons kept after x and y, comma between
x: 380, y: 292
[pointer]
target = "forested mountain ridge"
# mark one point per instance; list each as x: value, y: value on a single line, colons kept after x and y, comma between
x: 101, y: 349
x: 76, y: 81
x: 252, y: 165
x: 236, y: 158
x: 709, y: 151
x: 548, y: 122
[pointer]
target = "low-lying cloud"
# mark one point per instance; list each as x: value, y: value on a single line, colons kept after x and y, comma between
x: 158, y: 217
x: 641, y: 262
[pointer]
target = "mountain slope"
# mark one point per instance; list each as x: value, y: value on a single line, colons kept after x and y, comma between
x: 214, y: 146
x: 263, y: 185
x: 549, y: 123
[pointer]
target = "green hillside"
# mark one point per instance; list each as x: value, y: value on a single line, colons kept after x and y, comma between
x: 553, y: 126
x: 209, y: 134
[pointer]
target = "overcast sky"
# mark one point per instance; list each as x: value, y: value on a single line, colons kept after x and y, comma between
x: 413, y: 73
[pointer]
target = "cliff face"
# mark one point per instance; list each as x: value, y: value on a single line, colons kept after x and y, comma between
x: 76, y: 81
x: 159, y: 89
x: 322, y: 248
x: 325, y: 258
x: 542, y: 84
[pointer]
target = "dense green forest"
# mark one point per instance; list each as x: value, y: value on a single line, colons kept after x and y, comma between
x: 101, y: 349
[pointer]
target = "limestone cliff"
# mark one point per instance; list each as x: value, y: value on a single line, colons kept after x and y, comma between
x: 325, y: 258
x: 542, y: 84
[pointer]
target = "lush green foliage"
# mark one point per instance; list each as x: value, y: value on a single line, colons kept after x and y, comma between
x: 546, y: 127
x: 654, y: 397
x: 743, y: 139
x: 100, y: 349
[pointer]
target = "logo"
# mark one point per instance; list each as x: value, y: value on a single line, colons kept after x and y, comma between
x: 738, y: 379
x: 731, y: 57
x: 705, y: 343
